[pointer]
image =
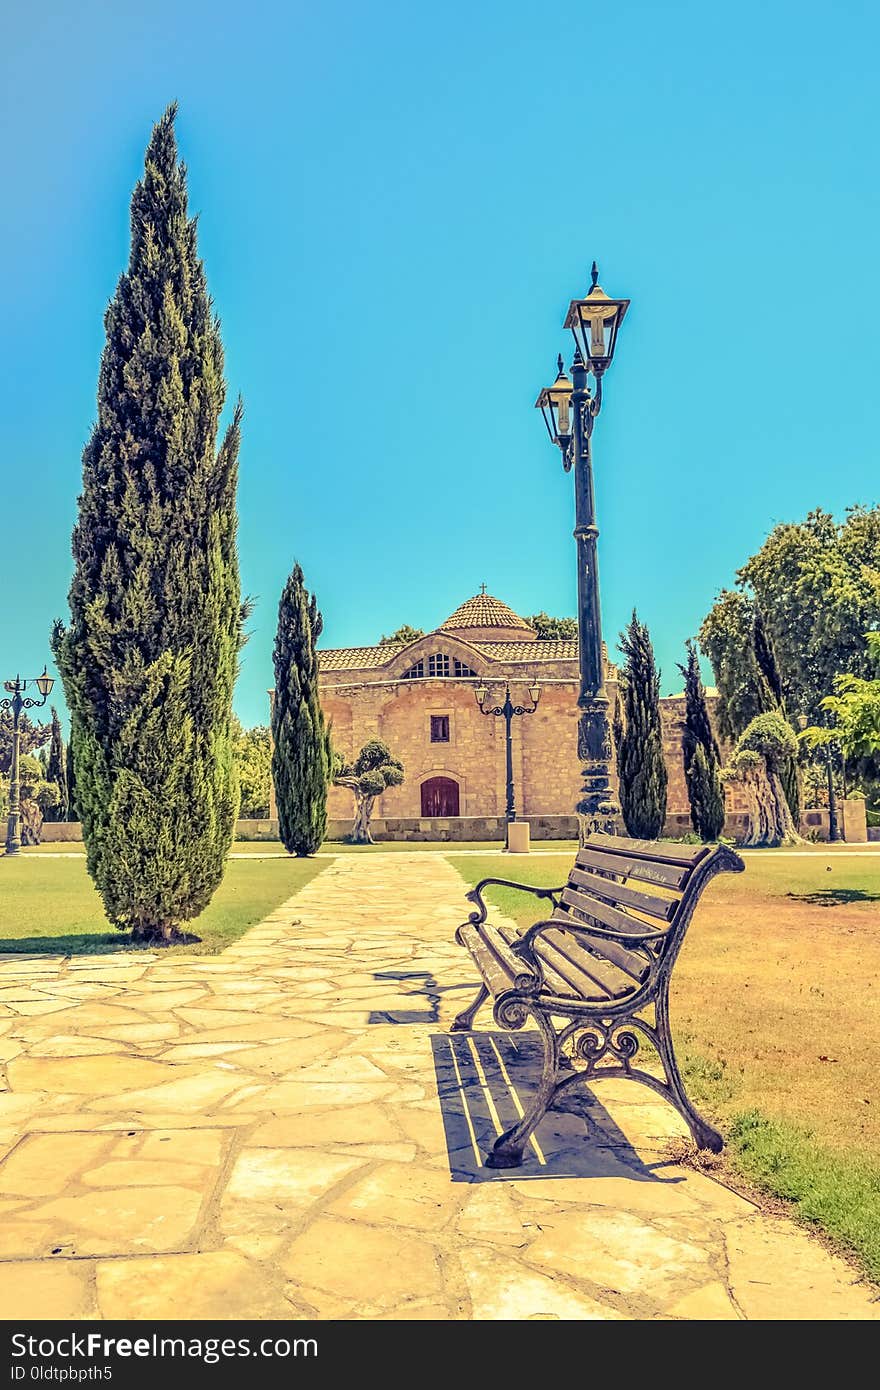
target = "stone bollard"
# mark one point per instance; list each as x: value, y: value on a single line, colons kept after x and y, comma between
x: 518, y: 837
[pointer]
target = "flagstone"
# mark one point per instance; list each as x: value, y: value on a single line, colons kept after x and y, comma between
x: 344, y: 1258
x: 44, y: 1164
x: 35, y: 1010
x: 621, y: 1252
x: 70, y: 1045
x: 188, y: 1052
x: 283, y: 1176
x: 501, y: 1289
x: 196, y: 1092
x: 357, y: 1124
x: 213, y: 1285
x: 401, y: 1194
x: 140, y: 1032
x: 292, y: 1055
x: 93, y: 1075
x: 165, y: 1002
x: 133, y: 1221
x: 135, y: 1172
x: 711, y: 1303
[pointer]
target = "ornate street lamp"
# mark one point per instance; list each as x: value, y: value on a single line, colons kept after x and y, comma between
x: 508, y: 712
x: 570, y: 410
x: 18, y: 701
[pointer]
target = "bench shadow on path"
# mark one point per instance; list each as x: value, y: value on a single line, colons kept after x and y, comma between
x: 485, y: 1081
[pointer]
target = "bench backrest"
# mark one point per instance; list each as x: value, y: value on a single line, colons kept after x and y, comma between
x: 623, y: 884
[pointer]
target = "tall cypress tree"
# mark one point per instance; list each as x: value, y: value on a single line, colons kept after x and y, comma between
x: 702, y: 758
x: 56, y: 769
x: 301, y: 751
x: 150, y: 654
x: 640, y: 764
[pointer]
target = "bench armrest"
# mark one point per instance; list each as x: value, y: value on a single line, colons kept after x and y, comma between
x: 476, y: 895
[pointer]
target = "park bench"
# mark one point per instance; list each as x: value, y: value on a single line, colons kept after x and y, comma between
x: 586, y: 972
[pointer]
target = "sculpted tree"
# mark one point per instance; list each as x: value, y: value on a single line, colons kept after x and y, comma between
x: 150, y: 655
x: 373, y: 771
x: 758, y: 757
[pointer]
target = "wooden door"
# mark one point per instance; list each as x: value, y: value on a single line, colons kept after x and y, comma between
x: 440, y: 797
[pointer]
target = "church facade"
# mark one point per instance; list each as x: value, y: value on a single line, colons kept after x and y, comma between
x: 419, y: 698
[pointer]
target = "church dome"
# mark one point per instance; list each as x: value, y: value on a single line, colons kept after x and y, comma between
x: 484, y: 618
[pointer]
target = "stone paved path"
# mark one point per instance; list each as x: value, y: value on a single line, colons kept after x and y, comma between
x: 289, y: 1130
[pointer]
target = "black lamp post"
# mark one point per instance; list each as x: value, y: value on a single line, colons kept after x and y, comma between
x: 570, y: 410
x: 508, y: 712
x: 18, y: 701
x: 833, y: 822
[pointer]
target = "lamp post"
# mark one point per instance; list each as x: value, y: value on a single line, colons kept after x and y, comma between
x: 18, y: 701
x: 833, y: 824
x: 508, y: 712
x: 570, y: 409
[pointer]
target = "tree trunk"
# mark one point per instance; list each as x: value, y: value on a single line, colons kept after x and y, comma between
x: 360, y: 830
x: 31, y: 822
x: 769, y: 817
x: 160, y: 934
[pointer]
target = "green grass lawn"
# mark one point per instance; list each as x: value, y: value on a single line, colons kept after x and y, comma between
x: 51, y: 905
x: 776, y: 1018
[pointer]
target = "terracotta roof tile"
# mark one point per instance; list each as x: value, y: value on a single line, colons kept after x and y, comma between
x: 485, y: 611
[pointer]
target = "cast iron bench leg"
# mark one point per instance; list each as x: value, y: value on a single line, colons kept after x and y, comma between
x: 704, y: 1136
x: 464, y: 1022
x: 507, y: 1151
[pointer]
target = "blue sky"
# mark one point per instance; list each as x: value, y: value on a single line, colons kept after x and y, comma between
x: 396, y: 203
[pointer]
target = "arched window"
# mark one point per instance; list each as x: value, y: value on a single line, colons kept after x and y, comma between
x: 438, y: 665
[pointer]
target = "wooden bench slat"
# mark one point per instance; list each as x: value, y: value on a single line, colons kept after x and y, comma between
x: 495, y: 977
x: 597, y: 981
x: 556, y: 983
x: 630, y: 962
x: 519, y: 970
x: 607, y: 916
x: 670, y: 875
x: 620, y: 970
x: 661, y: 908
x: 650, y: 849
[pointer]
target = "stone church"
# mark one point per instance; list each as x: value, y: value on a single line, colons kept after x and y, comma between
x: 418, y: 697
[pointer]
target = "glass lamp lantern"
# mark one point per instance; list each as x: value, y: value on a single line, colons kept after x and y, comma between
x: 595, y: 322
x: 554, y: 403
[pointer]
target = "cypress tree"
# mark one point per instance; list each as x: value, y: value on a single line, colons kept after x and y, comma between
x: 301, y: 751
x: 702, y: 758
x: 640, y: 764
x: 56, y: 769
x: 72, y: 811
x: 150, y: 653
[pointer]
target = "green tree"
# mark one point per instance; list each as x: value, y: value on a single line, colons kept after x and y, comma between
x: 149, y: 657
x: 702, y: 759
x: 37, y: 797
x: 301, y: 754
x: 403, y: 634
x: 31, y: 737
x: 817, y: 583
x: 72, y: 811
x: 253, y: 759
x: 553, y: 629
x: 373, y: 771
x: 641, y: 766
x: 56, y: 770
x: 854, y: 709
x: 761, y: 750
x: 727, y: 636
